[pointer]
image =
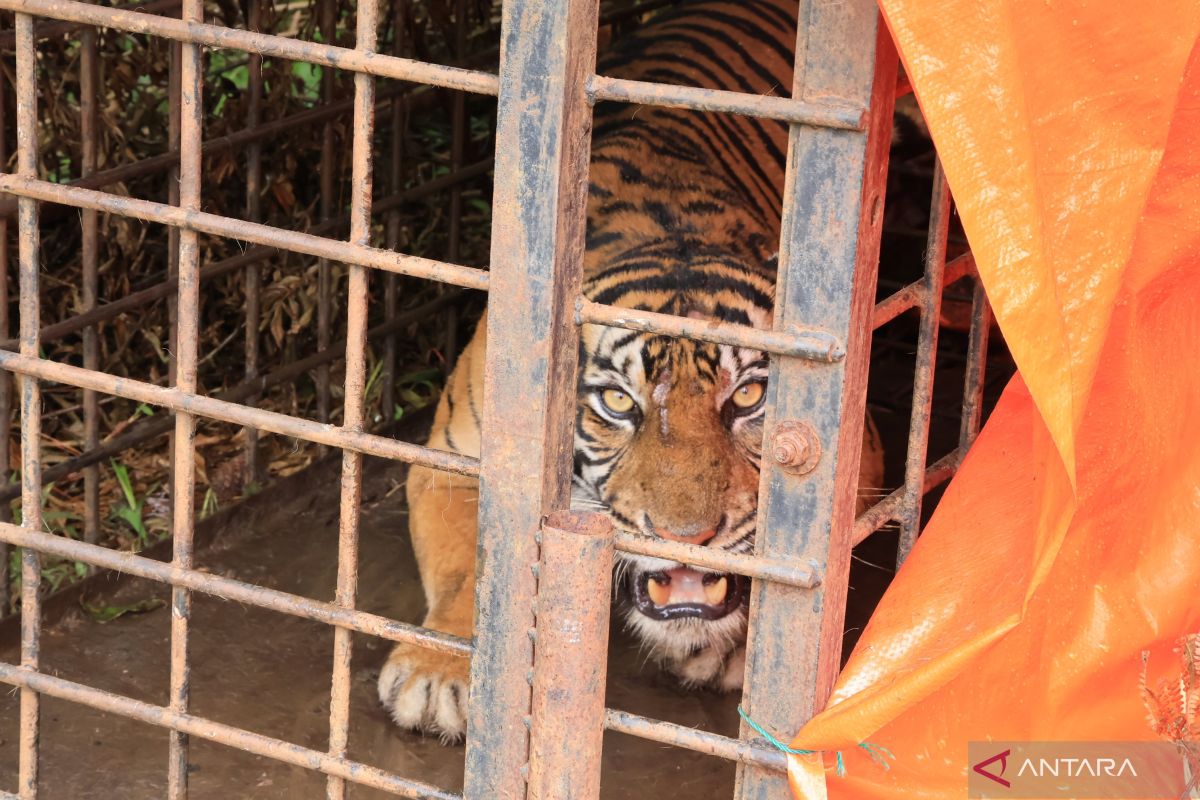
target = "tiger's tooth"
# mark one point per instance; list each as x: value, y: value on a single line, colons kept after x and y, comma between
x: 715, y: 592
x: 659, y: 594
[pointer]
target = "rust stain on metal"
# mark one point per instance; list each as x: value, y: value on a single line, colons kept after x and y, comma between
x: 196, y: 33
x: 365, y: 443
x: 800, y: 112
x: 795, y: 447
x: 28, y: 257
x: 355, y: 390
x: 237, y: 591
x: 341, y: 768
x: 256, y: 233
x: 712, y: 744
x: 812, y: 345
x: 570, y: 664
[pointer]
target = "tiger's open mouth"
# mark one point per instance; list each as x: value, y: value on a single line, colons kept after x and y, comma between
x: 682, y: 593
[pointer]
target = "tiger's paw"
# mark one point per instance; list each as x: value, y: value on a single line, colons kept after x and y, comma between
x: 426, y: 691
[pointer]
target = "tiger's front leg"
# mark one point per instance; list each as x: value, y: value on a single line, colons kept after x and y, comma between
x: 421, y: 689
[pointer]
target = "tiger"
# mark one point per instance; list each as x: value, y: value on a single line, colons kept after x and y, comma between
x: 683, y: 217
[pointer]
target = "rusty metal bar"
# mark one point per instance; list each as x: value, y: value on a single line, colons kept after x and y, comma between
x: 570, y: 664
x: 366, y: 38
x: 888, y: 509
x: 327, y: 21
x: 174, y: 131
x: 712, y: 744
x: 977, y: 344
x: 927, y: 339
x: 813, y: 345
x: 47, y: 30
x: 823, y: 114
x: 89, y: 78
x: 458, y: 124
x: 324, y: 54
x: 253, y: 273
x: 543, y: 144
x: 909, y: 297
x: 826, y: 279
x: 387, y: 402
x: 185, y: 357
x: 6, y: 380
x: 235, y: 591
x: 202, y: 222
x: 752, y: 566
x: 215, y: 270
x: 283, y: 424
x: 29, y: 259
x: 199, y: 727
x: 228, y: 143
x: 148, y: 429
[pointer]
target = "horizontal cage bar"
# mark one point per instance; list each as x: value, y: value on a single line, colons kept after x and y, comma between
x: 751, y: 566
x: 318, y: 432
x: 785, y: 109
x: 151, y: 427
x: 889, y: 508
x: 911, y: 295
x: 237, y: 591
x: 810, y: 345
x: 712, y: 744
x: 367, y: 63
x: 202, y: 728
x: 256, y: 233
x: 46, y: 30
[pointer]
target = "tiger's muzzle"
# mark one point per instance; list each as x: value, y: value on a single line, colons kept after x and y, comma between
x: 685, y: 593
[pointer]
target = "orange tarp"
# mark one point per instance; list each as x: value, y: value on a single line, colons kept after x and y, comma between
x: 1069, y: 543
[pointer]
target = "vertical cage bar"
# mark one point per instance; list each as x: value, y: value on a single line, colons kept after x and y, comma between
x: 356, y: 376
x: 458, y: 124
x: 927, y: 338
x: 327, y: 23
x: 395, y: 186
x: 832, y: 215
x: 174, y: 100
x: 574, y: 589
x: 543, y: 139
x: 89, y: 79
x: 6, y: 378
x: 253, y: 275
x: 977, y: 344
x: 31, y: 404
x: 191, y: 110
x: 29, y: 257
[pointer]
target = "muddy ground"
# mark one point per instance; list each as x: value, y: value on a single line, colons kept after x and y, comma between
x: 270, y: 673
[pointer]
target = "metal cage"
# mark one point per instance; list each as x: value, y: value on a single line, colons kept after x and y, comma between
x: 538, y: 655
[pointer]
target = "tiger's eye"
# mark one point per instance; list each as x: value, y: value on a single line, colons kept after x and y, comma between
x: 617, y: 401
x: 748, y: 395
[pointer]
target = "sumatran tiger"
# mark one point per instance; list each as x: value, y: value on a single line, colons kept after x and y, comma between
x: 683, y: 218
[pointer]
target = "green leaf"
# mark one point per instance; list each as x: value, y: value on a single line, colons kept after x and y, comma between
x: 105, y: 613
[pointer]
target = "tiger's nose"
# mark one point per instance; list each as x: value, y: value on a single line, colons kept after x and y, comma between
x: 688, y: 534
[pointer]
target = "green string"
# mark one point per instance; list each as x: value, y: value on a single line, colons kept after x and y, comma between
x: 878, y: 753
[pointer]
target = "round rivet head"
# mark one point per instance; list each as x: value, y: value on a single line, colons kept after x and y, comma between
x: 795, y: 447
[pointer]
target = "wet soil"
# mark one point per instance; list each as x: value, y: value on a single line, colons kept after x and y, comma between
x: 269, y: 673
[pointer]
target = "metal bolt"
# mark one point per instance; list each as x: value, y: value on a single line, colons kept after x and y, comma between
x: 795, y: 447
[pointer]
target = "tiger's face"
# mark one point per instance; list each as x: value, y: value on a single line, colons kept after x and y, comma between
x: 668, y: 441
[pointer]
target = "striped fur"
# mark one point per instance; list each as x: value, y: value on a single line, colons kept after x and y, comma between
x: 683, y: 218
